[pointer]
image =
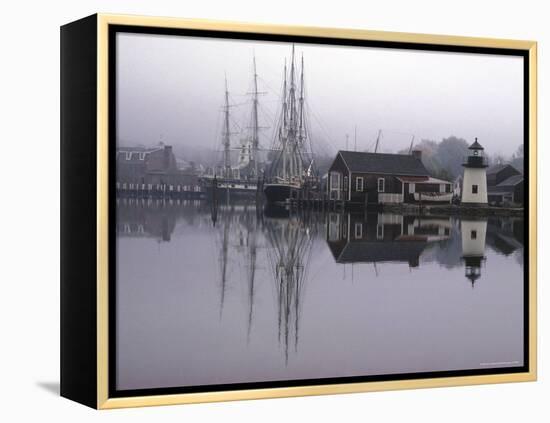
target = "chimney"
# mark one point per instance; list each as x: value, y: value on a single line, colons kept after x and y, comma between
x: 417, y: 154
x: 167, y: 155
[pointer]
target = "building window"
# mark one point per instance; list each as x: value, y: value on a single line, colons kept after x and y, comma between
x: 346, y: 183
x: 334, y: 181
x: 380, y: 231
x: 411, y: 188
x: 359, y: 184
x: 358, y: 230
x: 474, y: 189
x: 473, y: 234
x: 381, y: 184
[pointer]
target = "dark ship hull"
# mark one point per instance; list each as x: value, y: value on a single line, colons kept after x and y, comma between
x: 280, y: 193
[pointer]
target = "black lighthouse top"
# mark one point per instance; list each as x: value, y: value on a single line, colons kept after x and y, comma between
x: 475, y: 158
x: 475, y: 146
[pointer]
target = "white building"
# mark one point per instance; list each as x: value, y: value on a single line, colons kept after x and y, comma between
x: 474, y: 183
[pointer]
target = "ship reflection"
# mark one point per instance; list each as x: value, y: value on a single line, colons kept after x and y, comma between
x: 290, y: 237
x: 275, y: 246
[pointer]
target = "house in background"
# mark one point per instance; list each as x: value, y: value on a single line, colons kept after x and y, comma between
x: 499, y: 173
x: 146, y: 168
x: 504, y: 185
x: 376, y: 178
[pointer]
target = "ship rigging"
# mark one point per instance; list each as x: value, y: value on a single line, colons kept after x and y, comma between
x: 241, y: 177
x: 292, y: 169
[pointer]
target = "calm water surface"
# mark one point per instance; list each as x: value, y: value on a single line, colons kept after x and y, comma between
x: 243, y: 295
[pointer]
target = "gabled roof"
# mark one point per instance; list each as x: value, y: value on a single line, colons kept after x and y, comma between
x: 422, y: 179
x: 136, y: 154
x: 511, y: 181
x: 138, y: 149
x: 498, y: 167
x: 381, y: 163
x: 382, y: 251
x: 506, y: 186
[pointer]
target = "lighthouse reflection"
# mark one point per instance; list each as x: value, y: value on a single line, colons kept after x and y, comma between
x: 274, y: 293
x: 286, y: 238
x: 473, y: 232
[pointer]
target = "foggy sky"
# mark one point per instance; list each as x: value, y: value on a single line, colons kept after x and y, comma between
x: 171, y: 89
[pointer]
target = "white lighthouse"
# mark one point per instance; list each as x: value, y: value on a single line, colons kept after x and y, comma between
x: 474, y: 182
x: 473, y: 247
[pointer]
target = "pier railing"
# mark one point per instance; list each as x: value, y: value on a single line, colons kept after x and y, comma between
x: 138, y: 190
x: 390, y: 198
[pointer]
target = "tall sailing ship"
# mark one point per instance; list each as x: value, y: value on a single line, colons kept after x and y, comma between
x: 291, y: 173
x: 240, y: 178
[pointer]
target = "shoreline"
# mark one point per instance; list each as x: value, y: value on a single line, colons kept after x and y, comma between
x: 455, y: 210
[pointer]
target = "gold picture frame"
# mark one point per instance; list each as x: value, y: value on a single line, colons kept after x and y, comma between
x: 102, y: 23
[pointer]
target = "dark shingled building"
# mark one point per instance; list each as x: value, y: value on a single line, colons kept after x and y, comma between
x: 504, y: 185
x: 377, y: 178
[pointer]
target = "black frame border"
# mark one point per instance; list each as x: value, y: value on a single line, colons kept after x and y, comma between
x: 113, y: 30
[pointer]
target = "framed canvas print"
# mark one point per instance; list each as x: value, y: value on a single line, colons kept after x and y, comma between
x: 256, y: 211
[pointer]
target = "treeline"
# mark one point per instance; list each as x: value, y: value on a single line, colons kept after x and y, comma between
x: 444, y: 159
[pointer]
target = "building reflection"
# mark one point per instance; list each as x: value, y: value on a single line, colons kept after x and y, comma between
x: 505, y: 236
x: 153, y: 218
x: 379, y: 237
x: 275, y: 246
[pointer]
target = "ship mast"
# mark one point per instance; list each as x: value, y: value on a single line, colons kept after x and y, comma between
x: 301, y: 115
x: 282, y: 130
x: 255, y: 141
x: 292, y: 129
x: 226, y: 135
x: 301, y: 134
x: 292, y: 123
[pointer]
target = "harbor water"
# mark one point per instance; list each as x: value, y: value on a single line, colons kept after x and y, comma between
x: 240, y: 294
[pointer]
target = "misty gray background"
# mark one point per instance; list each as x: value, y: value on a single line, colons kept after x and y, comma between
x: 171, y: 88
